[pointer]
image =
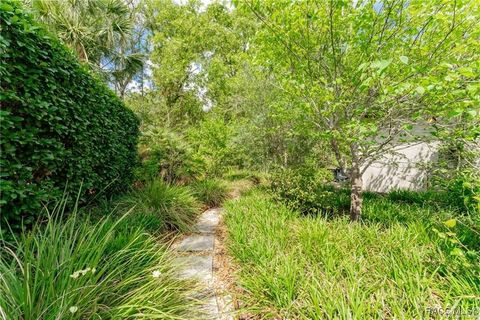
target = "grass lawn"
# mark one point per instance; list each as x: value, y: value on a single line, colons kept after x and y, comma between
x: 300, y: 267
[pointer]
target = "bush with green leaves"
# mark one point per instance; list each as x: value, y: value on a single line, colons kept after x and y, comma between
x: 305, y: 189
x: 58, y: 122
x: 175, y: 205
x: 212, y: 141
x: 464, y: 192
x: 211, y: 192
x: 75, y: 268
x: 168, y: 155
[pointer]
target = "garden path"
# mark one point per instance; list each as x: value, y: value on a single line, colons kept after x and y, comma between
x: 197, y: 259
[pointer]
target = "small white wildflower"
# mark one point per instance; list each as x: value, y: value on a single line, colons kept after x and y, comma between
x: 75, y: 275
x: 73, y: 309
x: 84, y: 271
x: 94, y: 270
x: 156, y: 273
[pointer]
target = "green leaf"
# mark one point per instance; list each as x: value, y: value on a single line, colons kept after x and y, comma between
x: 6, y: 7
x: 457, y: 252
x: 450, y: 223
x: 382, y: 64
x: 420, y: 90
x: 404, y: 59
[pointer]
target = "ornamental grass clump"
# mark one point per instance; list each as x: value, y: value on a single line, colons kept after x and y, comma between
x: 211, y: 192
x: 80, y: 269
x: 175, y: 205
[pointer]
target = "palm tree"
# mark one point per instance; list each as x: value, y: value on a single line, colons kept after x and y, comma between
x: 100, y: 32
x: 92, y: 28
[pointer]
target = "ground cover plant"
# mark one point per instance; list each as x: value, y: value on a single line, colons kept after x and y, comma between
x: 296, y: 266
x: 76, y: 268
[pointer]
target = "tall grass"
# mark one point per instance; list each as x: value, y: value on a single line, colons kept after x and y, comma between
x: 77, y: 269
x: 305, y: 267
x: 210, y: 192
x: 176, y: 206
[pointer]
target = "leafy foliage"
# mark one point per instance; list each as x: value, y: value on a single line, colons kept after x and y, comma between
x: 211, y: 141
x: 366, y: 73
x: 58, y: 122
x: 168, y: 155
x: 304, y: 189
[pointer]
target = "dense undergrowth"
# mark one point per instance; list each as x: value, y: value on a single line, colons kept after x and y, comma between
x: 402, y: 261
x: 107, y: 261
x: 78, y: 268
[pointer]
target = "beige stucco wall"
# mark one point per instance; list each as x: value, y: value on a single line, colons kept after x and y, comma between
x: 404, y: 169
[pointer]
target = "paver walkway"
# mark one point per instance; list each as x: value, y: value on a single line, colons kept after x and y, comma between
x: 196, y: 260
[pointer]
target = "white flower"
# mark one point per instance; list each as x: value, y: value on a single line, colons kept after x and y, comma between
x: 83, y: 272
x: 73, y: 309
x: 156, y: 273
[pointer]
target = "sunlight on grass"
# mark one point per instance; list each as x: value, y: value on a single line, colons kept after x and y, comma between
x: 310, y: 267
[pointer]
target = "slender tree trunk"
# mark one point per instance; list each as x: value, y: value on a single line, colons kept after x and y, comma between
x: 81, y: 52
x: 356, y: 185
x: 338, y: 154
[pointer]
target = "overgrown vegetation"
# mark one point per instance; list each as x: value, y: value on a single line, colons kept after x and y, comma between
x: 61, y: 127
x: 309, y: 191
x: 312, y: 102
x: 176, y: 206
x: 75, y: 268
x: 396, y: 264
x: 211, y: 192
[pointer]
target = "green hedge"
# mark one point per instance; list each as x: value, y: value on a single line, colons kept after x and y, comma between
x: 60, y: 125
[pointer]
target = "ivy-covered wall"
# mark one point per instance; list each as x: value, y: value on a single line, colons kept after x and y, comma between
x: 61, y: 127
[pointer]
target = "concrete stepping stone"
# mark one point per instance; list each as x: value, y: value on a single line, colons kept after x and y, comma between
x: 210, y: 308
x: 195, y: 263
x: 225, y: 307
x: 195, y: 267
x: 202, y: 242
x: 208, y: 221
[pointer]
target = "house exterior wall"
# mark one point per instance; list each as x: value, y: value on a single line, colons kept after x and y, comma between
x: 403, y: 169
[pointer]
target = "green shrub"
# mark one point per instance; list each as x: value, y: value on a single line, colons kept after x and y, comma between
x: 212, y: 142
x: 175, y: 205
x: 76, y: 269
x: 138, y: 217
x: 210, y: 192
x: 57, y: 122
x: 464, y: 192
x: 167, y: 155
x: 305, y: 190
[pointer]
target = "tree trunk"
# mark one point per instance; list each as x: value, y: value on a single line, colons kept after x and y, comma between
x: 81, y: 52
x: 357, y: 184
x: 356, y: 194
x: 338, y: 154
